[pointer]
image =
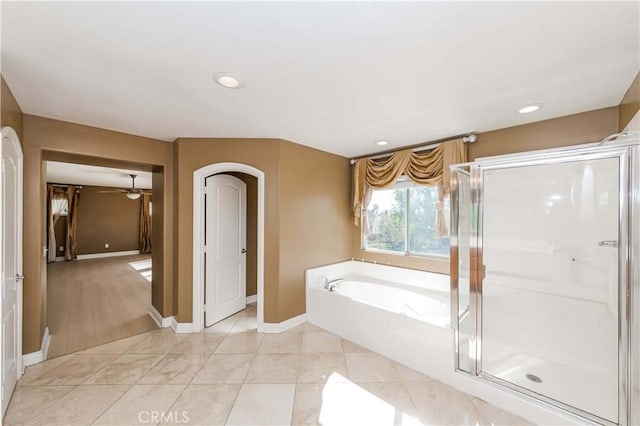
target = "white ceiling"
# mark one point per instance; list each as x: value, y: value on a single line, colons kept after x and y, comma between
x: 333, y: 75
x: 81, y: 174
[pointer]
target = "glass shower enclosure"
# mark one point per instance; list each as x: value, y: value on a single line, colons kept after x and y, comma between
x: 545, y: 274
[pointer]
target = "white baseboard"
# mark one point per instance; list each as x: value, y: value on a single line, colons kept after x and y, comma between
x: 159, y: 319
x: 39, y: 356
x: 170, y: 322
x: 181, y: 327
x: 252, y: 299
x: 32, y: 358
x: 110, y: 254
x: 284, y: 325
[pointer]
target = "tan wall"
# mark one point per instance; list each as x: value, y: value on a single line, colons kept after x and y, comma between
x: 61, y: 235
x: 193, y: 154
x: 252, y: 231
x: 630, y: 104
x: 161, y: 226
x: 107, y: 218
x: 10, y: 112
x: 570, y: 130
x: 103, y: 218
x: 306, y: 214
x: 47, y: 139
x: 314, y: 219
x: 574, y: 129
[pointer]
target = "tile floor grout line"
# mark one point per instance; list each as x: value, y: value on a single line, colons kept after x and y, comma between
x: 413, y: 401
x: 100, y: 370
x: 197, y: 372
x: 344, y: 357
x: 125, y: 384
x: 295, y: 386
x: 226, y: 420
x: 202, y: 367
x: 111, y: 405
x: 42, y: 409
x: 163, y: 355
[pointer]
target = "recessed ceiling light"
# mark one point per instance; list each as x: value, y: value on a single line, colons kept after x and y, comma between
x: 382, y: 143
x: 529, y: 108
x: 227, y: 80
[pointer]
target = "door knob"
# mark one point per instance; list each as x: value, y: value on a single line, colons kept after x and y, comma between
x: 243, y: 251
x: 19, y: 277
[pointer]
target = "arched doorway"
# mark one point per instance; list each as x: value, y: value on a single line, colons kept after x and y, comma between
x: 199, y: 177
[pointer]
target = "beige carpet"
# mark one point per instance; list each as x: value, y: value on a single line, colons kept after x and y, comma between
x: 95, y: 301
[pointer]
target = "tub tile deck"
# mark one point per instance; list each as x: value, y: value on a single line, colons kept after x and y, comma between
x: 230, y: 374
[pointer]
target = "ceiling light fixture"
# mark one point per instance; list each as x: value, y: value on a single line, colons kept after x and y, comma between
x: 227, y: 80
x: 382, y: 143
x: 529, y: 108
x: 133, y: 195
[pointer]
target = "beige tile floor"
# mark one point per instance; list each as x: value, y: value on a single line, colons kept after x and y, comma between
x: 230, y: 374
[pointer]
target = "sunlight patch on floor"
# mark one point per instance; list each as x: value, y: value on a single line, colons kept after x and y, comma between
x: 146, y: 274
x: 143, y: 267
x: 344, y: 402
x: 141, y: 264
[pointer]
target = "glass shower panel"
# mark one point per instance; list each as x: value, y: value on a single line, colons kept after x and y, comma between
x: 634, y: 331
x: 465, y: 233
x: 550, y: 291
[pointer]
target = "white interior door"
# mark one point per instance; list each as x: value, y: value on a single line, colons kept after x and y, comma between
x: 11, y: 255
x: 225, y: 247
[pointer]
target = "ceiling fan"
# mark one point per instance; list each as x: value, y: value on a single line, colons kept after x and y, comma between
x: 132, y: 193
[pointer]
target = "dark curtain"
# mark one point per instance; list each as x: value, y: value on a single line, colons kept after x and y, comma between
x: 145, y: 223
x: 73, y: 198
x: 53, y: 214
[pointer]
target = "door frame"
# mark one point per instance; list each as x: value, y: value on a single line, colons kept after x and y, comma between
x: 199, y: 177
x: 11, y: 134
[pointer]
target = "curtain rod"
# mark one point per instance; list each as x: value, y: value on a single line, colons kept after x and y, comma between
x: 471, y: 138
x: 64, y: 185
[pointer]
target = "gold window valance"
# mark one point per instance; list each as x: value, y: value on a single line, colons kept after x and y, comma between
x: 430, y: 168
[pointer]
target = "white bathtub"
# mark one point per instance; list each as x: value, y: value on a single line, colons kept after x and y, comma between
x: 400, y: 313
x: 423, y: 304
x: 404, y: 315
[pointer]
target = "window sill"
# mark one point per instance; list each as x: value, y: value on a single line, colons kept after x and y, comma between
x: 405, y: 254
x: 437, y: 265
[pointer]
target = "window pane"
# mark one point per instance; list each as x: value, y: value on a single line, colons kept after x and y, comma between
x: 59, y: 206
x: 384, y: 228
x: 422, y: 222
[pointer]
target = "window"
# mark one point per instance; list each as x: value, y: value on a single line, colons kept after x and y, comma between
x: 402, y: 220
x: 60, y: 206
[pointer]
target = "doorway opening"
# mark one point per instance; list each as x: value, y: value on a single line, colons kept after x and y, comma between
x: 255, y: 183
x: 99, y: 267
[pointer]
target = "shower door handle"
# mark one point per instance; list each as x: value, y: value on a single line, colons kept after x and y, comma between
x: 608, y: 243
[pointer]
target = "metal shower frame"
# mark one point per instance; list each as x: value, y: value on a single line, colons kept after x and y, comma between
x: 628, y: 154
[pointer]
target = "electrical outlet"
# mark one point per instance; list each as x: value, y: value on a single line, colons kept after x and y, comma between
x: 61, y: 248
x: 106, y: 245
